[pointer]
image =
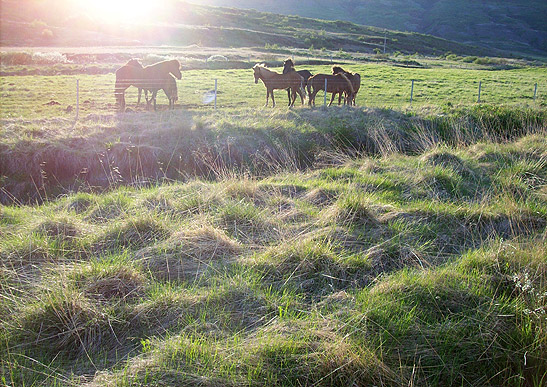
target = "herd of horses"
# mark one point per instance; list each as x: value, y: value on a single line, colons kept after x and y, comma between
x: 161, y: 76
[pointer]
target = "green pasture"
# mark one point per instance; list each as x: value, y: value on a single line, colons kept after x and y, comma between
x: 381, y: 86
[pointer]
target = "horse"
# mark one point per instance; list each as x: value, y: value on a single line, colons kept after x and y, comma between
x: 170, y: 89
x: 288, y: 65
x: 336, y: 84
x: 149, y: 78
x: 354, y: 78
x: 273, y: 80
x: 128, y: 75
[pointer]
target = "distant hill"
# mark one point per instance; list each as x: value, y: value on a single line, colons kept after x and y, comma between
x: 518, y: 26
x: 60, y: 23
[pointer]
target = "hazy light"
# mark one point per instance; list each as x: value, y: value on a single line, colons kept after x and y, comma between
x: 127, y: 11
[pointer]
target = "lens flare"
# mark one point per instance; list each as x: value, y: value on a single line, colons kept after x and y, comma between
x: 127, y: 11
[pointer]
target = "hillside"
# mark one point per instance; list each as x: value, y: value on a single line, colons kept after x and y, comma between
x: 59, y: 23
x: 517, y: 26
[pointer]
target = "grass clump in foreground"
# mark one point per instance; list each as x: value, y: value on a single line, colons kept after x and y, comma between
x: 421, y: 269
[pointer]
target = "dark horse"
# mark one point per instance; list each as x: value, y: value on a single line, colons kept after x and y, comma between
x: 170, y: 89
x: 336, y: 84
x: 355, y: 80
x: 288, y: 65
x: 150, y: 78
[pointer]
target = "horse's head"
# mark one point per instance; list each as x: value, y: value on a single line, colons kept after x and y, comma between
x: 134, y: 62
x: 288, y: 65
x: 256, y: 69
x: 339, y: 70
x: 175, y: 69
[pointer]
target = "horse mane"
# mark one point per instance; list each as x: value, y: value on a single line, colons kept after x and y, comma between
x: 339, y: 69
x: 348, y: 81
x: 133, y: 62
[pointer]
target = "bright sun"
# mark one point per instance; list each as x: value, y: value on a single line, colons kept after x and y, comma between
x: 136, y: 11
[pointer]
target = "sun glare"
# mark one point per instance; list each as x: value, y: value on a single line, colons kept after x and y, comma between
x: 132, y: 11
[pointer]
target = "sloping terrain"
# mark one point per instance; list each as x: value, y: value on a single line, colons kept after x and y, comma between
x: 515, y: 26
x: 57, y: 23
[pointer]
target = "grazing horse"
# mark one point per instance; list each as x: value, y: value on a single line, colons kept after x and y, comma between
x: 288, y: 65
x: 354, y: 78
x: 150, y: 78
x: 273, y: 80
x: 336, y: 84
x: 158, y: 76
x: 170, y: 89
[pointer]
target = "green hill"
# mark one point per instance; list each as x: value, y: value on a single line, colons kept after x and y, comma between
x: 60, y: 23
x: 517, y: 26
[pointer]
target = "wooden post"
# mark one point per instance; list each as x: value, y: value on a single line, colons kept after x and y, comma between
x: 77, y: 98
x: 480, y: 87
x: 411, y: 92
x: 535, y: 91
x: 325, y: 96
x: 216, y: 83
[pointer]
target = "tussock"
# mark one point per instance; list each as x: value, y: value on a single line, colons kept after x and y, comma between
x: 313, y: 267
x: 65, y: 322
x: 187, y: 254
x: 62, y: 229
x: 120, y: 281
x: 321, y: 197
x: 351, y: 209
x: 133, y: 233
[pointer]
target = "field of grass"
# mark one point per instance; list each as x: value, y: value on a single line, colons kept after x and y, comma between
x: 381, y: 86
x: 401, y: 270
x: 378, y: 245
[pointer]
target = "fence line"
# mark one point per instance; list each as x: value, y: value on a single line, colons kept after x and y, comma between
x: 20, y: 98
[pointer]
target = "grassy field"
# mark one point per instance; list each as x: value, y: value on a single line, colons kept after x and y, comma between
x: 381, y: 86
x: 381, y: 244
x: 402, y: 270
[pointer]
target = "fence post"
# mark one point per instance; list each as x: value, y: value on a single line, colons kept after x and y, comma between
x: 411, y: 92
x: 535, y: 91
x: 216, y: 83
x: 77, y: 98
x: 325, y: 96
x: 480, y: 87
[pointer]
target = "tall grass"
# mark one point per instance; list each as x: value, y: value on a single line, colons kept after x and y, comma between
x: 417, y: 269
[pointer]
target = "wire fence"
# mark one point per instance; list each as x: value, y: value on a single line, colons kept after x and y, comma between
x: 72, y: 96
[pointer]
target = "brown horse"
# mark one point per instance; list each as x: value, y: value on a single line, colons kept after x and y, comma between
x: 354, y: 78
x: 128, y: 75
x: 273, y: 81
x: 288, y: 65
x: 150, y: 78
x: 336, y: 84
x: 170, y: 89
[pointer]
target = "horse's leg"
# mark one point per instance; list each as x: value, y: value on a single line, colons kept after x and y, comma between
x: 293, y: 98
x: 139, y: 98
x: 300, y: 90
x: 312, y: 98
x: 273, y: 99
x: 154, y: 94
x: 289, y: 94
x: 267, y: 97
x: 332, y: 98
